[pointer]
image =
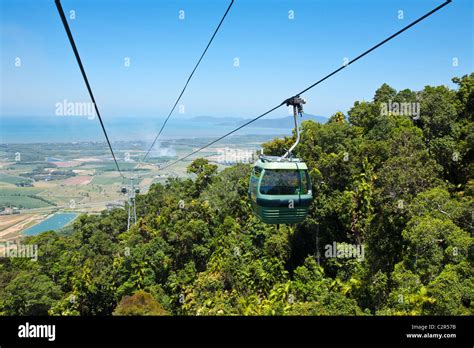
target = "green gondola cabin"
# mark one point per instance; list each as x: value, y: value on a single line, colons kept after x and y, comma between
x: 280, y: 190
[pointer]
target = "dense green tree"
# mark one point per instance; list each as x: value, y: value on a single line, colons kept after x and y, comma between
x: 408, y: 295
x: 204, y: 174
x: 29, y: 293
x: 384, y: 94
x: 140, y: 303
x: 452, y: 290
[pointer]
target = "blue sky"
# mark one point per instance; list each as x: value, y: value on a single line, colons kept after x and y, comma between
x: 278, y: 56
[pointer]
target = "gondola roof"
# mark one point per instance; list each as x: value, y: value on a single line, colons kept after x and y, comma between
x: 269, y: 163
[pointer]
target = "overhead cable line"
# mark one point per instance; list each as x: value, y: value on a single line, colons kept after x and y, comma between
x: 189, y: 79
x: 286, y: 101
x: 78, y: 58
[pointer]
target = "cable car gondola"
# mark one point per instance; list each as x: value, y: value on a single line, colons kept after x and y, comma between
x: 280, y: 192
x: 280, y: 187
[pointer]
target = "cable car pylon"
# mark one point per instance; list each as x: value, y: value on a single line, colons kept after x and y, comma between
x: 131, y: 193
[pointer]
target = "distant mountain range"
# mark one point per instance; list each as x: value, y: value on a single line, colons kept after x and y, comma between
x: 282, y: 122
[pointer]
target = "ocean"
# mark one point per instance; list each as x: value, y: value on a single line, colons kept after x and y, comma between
x: 58, y: 129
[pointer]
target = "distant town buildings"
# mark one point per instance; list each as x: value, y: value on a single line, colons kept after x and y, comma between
x: 52, y: 159
x: 24, y: 184
x: 10, y: 211
x: 114, y: 205
x: 231, y: 156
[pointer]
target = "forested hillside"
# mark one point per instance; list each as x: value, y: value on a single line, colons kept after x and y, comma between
x: 397, y: 187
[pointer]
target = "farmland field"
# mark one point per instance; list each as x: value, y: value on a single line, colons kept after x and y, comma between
x: 13, y: 179
x: 22, y: 197
x: 23, y: 191
x: 106, y: 180
x: 12, y: 225
x: 110, y: 167
x: 24, y: 202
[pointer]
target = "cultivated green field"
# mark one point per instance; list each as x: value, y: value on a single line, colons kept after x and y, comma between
x: 106, y: 180
x: 24, y: 202
x: 109, y: 167
x: 21, y: 167
x: 23, y: 191
x: 13, y: 179
x: 22, y: 197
